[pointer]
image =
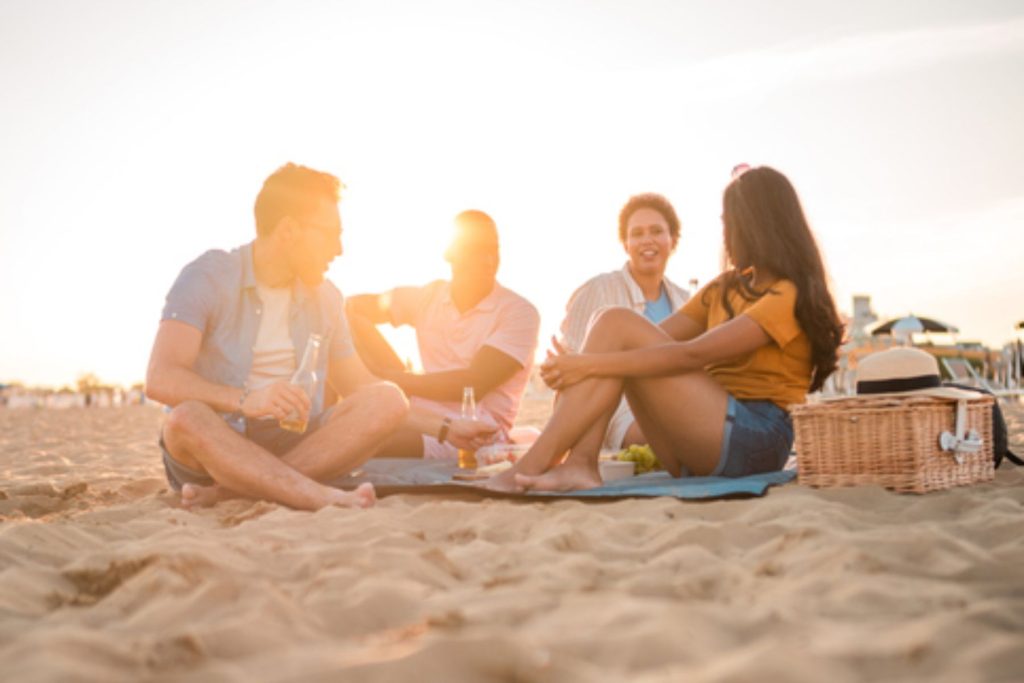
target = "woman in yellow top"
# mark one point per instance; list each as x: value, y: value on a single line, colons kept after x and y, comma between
x: 710, y: 386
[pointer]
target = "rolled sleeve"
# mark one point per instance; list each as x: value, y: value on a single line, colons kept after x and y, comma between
x: 193, y: 296
x: 775, y: 312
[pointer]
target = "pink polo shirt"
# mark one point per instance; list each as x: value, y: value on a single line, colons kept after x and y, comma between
x: 448, y: 339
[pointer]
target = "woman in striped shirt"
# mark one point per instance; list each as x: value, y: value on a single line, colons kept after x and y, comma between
x: 649, y: 233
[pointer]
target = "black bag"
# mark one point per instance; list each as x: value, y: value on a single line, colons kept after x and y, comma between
x: 1000, y: 435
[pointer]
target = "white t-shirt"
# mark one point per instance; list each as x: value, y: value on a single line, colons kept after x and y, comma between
x: 273, y: 354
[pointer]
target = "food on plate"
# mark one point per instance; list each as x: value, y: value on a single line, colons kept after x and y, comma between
x: 642, y: 456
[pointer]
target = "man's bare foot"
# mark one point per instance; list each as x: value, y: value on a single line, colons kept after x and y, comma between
x: 561, y: 478
x: 363, y: 496
x: 194, y: 495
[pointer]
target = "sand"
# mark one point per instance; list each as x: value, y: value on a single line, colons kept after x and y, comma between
x: 103, y: 578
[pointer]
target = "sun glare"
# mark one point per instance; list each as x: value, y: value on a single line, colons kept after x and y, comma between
x: 547, y: 130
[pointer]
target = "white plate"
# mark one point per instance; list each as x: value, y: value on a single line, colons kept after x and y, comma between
x: 612, y: 470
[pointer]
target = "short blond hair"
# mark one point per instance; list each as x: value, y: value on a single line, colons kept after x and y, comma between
x: 292, y: 190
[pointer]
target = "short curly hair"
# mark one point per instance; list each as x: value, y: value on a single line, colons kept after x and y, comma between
x: 649, y: 200
x: 292, y: 190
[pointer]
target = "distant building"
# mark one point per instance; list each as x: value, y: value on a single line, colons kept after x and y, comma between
x: 862, y: 317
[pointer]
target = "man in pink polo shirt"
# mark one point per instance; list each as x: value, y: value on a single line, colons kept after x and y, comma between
x: 471, y: 332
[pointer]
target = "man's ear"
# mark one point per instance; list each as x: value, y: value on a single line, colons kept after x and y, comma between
x: 286, y: 229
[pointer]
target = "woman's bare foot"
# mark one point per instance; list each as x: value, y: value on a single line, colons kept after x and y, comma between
x: 194, y: 495
x: 565, y: 477
x: 363, y: 496
x: 503, y: 481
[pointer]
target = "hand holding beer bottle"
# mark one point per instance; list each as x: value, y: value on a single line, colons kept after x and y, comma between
x: 472, y: 431
x: 305, y: 379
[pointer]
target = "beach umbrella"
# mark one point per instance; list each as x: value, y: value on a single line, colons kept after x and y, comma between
x: 912, y: 324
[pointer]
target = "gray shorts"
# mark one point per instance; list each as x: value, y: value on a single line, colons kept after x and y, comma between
x: 757, y: 437
x: 265, y: 433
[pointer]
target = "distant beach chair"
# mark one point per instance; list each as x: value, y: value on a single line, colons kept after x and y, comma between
x: 962, y: 372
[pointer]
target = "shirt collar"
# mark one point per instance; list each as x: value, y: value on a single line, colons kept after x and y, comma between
x: 488, y: 303
x: 300, y: 292
x: 635, y: 293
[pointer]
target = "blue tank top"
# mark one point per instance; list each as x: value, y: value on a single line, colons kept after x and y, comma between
x: 656, y: 311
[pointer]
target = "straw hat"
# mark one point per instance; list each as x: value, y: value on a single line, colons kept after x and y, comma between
x: 904, y: 372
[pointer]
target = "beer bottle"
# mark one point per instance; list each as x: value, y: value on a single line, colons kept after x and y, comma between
x: 305, y: 378
x: 467, y: 458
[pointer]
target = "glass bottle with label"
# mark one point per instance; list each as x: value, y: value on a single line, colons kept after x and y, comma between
x: 467, y: 458
x: 305, y: 378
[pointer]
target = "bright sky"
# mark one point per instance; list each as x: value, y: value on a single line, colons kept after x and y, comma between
x: 135, y: 135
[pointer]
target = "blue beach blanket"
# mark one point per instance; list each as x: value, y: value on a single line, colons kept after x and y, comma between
x: 402, y: 475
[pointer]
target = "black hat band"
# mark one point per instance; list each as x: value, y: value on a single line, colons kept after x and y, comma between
x: 886, y: 386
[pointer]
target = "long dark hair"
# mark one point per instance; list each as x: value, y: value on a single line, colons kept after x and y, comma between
x: 765, y: 228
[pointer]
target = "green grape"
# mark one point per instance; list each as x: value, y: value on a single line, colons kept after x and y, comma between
x: 643, y: 456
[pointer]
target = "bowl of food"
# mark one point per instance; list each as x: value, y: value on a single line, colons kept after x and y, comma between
x: 612, y: 470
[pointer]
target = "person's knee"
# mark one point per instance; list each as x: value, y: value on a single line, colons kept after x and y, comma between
x: 186, y: 418
x: 615, y: 317
x: 389, y: 403
x: 609, y: 326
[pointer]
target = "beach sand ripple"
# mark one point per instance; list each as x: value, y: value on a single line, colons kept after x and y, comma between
x: 104, y: 577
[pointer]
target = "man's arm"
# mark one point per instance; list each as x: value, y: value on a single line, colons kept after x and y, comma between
x: 364, y: 313
x: 461, y: 433
x: 348, y: 374
x: 170, y: 379
x: 489, y: 369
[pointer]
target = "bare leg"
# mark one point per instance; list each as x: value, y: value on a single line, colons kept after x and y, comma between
x: 580, y: 469
x: 582, y: 408
x: 403, y: 443
x: 199, y: 438
x: 357, y: 428
x: 690, y: 407
x: 579, y: 410
x: 682, y: 417
x: 633, y: 436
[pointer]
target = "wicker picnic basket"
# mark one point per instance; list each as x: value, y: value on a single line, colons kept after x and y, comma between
x: 892, y: 442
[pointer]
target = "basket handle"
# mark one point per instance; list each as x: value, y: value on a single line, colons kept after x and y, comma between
x: 961, y: 443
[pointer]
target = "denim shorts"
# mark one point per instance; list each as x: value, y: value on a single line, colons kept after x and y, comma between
x: 757, y: 437
x: 265, y: 433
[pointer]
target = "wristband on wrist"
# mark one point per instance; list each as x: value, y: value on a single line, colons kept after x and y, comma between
x: 442, y: 433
